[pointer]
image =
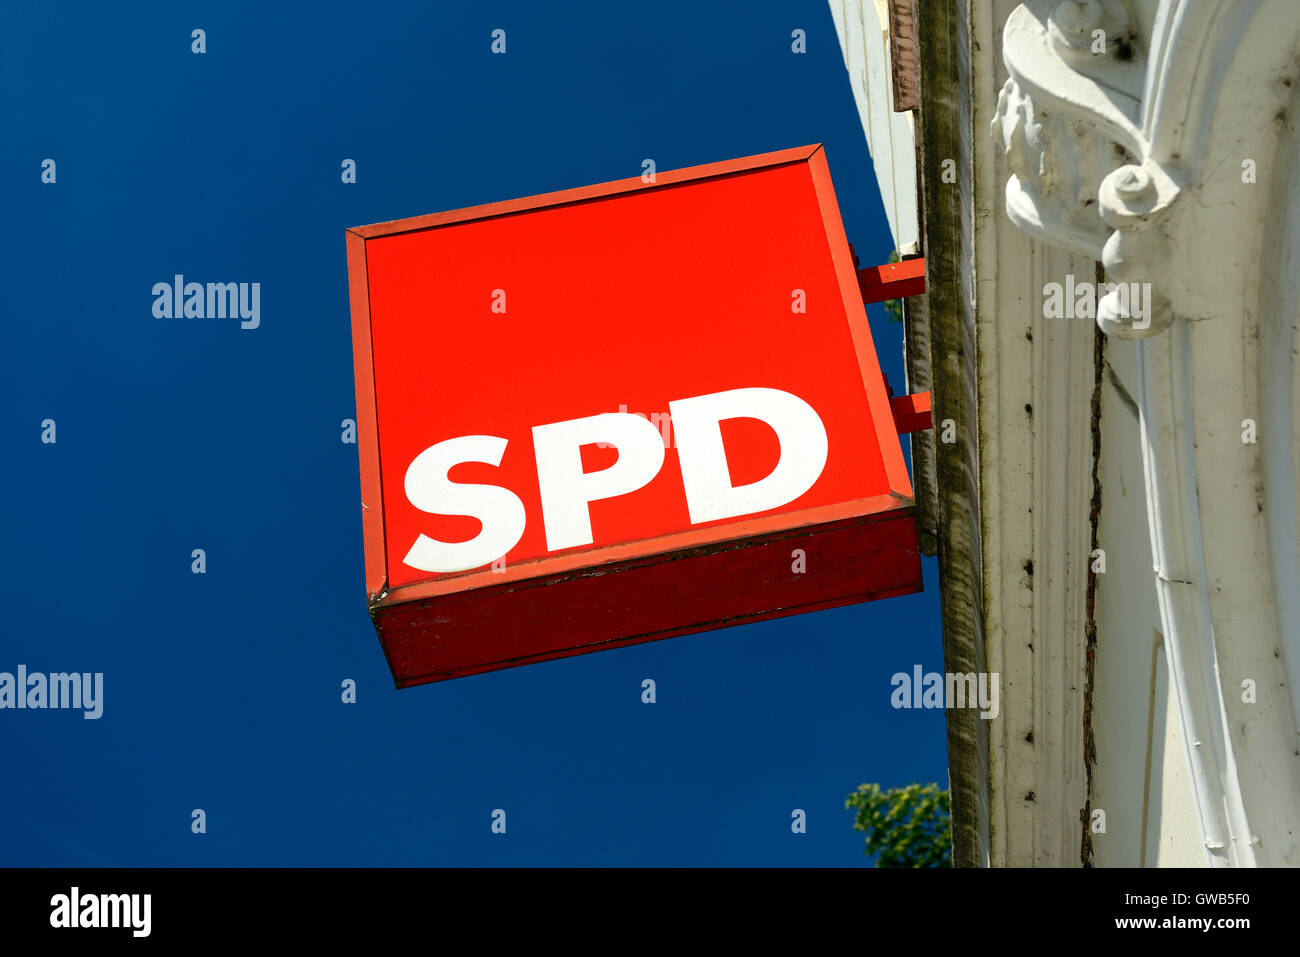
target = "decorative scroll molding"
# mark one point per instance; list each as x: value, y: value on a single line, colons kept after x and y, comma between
x: 1104, y: 121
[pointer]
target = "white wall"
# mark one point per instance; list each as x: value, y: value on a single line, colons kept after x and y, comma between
x: 863, y: 30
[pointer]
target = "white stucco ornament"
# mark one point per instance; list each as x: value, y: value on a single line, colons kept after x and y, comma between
x: 1103, y: 139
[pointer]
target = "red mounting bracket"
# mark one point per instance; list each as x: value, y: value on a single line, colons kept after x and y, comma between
x: 911, y: 412
x: 892, y: 280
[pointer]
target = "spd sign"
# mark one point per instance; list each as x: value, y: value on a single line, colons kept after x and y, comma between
x: 620, y: 413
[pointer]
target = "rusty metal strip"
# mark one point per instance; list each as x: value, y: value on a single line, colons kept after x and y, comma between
x: 902, y: 55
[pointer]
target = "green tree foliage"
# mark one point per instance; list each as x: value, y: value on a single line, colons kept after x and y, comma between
x: 906, y: 827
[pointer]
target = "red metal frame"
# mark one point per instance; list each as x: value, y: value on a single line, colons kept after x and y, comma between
x: 372, y: 499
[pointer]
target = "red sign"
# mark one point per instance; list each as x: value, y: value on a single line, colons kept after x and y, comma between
x: 619, y: 413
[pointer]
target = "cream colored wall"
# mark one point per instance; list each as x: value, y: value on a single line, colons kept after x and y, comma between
x: 1173, y: 837
x: 1140, y: 777
x: 1224, y: 602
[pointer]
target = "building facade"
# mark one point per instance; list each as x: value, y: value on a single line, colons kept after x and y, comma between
x: 1107, y: 197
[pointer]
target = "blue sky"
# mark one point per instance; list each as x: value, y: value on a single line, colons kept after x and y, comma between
x: 222, y: 691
